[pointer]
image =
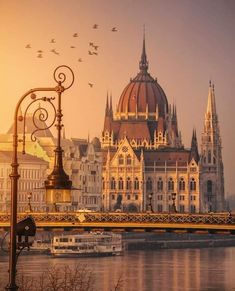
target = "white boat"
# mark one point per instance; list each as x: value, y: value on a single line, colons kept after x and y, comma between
x: 87, y: 244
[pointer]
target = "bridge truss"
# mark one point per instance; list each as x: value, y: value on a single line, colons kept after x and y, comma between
x: 118, y: 221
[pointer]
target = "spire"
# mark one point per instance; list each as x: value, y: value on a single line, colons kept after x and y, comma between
x: 211, y: 108
x: 143, y: 65
x: 107, y: 105
x: 194, y: 148
x: 111, y: 105
x: 88, y: 137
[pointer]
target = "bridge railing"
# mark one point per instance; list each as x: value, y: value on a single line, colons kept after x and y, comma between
x: 121, y: 217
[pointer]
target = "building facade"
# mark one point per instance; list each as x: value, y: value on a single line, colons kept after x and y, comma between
x: 32, y: 171
x: 81, y: 159
x: 144, y: 158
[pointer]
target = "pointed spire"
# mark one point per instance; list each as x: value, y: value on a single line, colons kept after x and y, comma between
x: 88, y: 137
x: 194, y: 147
x: 211, y: 109
x: 107, y: 105
x: 143, y: 65
x: 111, y: 105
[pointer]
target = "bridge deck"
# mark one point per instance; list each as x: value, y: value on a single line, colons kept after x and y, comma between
x: 215, y: 222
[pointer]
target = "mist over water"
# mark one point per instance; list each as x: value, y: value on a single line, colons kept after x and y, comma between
x: 161, y: 270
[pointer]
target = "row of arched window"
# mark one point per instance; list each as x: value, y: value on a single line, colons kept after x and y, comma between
x: 171, y: 184
x: 119, y: 184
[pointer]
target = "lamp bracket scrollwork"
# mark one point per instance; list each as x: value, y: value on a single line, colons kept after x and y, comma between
x: 64, y: 77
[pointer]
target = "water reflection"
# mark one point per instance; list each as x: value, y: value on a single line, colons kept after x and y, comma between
x: 164, y: 270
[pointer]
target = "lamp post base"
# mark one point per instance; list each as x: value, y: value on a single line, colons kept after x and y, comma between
x: 11, y: 287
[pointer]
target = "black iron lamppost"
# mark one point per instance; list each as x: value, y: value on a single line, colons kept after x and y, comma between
x: 150, y: 206
x: 173, y: 197
x: 58, y: 181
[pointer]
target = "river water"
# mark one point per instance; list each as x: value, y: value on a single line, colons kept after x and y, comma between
x: 161, y: 270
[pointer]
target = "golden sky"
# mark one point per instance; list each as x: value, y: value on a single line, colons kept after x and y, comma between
x: 188, y: 43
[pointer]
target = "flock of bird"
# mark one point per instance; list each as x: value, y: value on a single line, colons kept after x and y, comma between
x: 93, y: 48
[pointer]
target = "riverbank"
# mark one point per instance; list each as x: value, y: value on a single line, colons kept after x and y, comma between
x: 151, y: 241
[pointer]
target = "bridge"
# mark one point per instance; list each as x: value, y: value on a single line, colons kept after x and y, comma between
x: 122, y: 222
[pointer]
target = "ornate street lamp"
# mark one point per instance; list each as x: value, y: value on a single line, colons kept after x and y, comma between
x: 58, y: 186
x: 173, y: 197
x: 150, y: 206
x: 29, y: 196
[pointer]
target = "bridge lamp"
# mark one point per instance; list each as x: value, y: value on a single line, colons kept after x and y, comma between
x: 173, y: 197
x: 150, y: 206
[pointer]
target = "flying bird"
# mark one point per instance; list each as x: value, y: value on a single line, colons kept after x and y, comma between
x: 90, y: 84
x: 39, y: 56
x: 75, y: 35
x: 90, y: 53
x: 95, y: 47
x: 40, y: 51
x: 114, y: 29
x: 95, y: 26
x: 79, y: 60
x: 72, y: 46
x: 52, y: 40
x: 28, y: 46
x: 91, y: 43
x: 54, y: 51
x: 95, y: 53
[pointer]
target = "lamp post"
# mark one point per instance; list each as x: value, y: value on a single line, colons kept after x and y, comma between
x: 150, y: 207
x: 58, y: 177
x: 29, y: 196
x: 173, y: 197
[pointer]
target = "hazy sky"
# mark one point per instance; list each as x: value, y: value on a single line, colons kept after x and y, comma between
x: 188, y: 42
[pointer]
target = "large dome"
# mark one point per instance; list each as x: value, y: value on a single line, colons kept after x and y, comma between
x: 143, y: 96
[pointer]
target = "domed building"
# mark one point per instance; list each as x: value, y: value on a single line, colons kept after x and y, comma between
x: 145, y: 165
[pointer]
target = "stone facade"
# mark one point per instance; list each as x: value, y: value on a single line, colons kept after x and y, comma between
x: 82, y: 162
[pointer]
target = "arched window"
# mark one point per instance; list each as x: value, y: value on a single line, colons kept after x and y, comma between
x: 209, y: 186
x: 120, y: 160
x: 120, y: 184
x: 149, y: 184
x: 113, y: 184
x: 160, y: 184
x: 209, y: 157
x: 136, y: 184
x: 181, y: 184
x: 193, y: 185
x: 128, y: 160
x: 170, y: 184
x: 103, y: 183
x: 192, y: 208
x: 128, y: 183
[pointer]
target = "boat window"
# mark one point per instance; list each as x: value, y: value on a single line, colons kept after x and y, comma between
x: 64, y: 239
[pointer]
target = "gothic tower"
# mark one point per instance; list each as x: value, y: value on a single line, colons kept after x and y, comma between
x: 212, y: 176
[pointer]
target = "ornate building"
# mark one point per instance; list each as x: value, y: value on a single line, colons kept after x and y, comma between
x: 82, y: 162
x: 144, y: 158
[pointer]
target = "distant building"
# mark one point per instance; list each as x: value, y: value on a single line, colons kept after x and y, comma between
x: 143, y: 153
x: 81, y: 159
x: 32, y: 172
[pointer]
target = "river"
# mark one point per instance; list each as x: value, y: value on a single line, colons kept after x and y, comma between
x: 162, y: 270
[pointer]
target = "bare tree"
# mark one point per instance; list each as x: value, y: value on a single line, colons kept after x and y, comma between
x: 120, y: 283
x: 80, y: 278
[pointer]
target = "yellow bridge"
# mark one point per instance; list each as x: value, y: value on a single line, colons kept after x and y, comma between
x: 118, y: 221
